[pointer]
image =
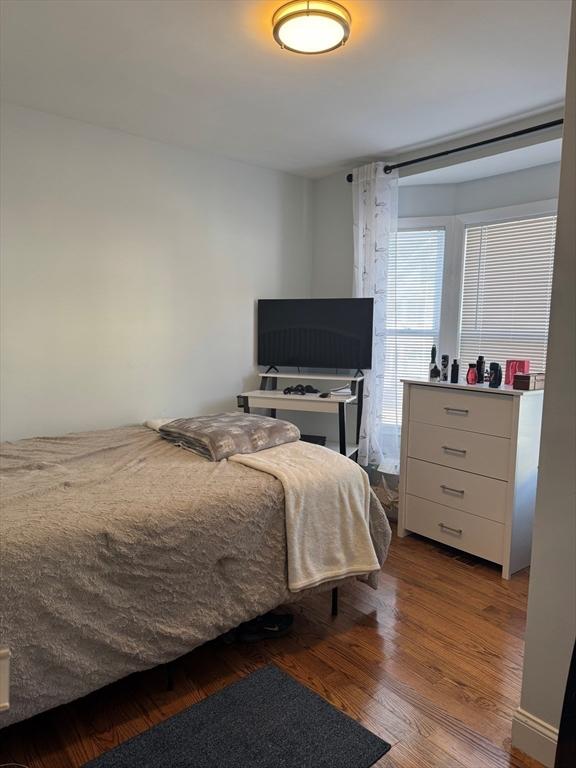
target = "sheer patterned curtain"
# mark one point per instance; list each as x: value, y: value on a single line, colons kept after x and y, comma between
x: 375, y: 201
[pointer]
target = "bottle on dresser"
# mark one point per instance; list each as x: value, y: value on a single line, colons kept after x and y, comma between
x: 472, y: 375
x: 454, y: 372
x: 480, y: 369
x: 495, y: 375
x: 444, y: 367
x: 433, y: 370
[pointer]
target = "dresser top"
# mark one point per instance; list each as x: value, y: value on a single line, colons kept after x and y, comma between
x: 504, y: 389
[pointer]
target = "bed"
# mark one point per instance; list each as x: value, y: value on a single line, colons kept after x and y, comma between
x: 120, y: 551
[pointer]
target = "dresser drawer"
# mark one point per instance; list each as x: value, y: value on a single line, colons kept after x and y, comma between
x: 486, y: 413
x: 482, y: 454
x: 481, y: 537
x: 478, y: 495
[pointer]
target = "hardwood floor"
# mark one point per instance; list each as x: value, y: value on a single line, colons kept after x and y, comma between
x: 431, y: 662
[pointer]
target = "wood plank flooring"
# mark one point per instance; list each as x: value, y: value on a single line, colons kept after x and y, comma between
x: 431, y: 662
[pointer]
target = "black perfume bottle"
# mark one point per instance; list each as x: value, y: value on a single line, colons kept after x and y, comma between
x: 434, y: 371
x: 454, y: 372
x: 495, y: 375
x: 480, y: 366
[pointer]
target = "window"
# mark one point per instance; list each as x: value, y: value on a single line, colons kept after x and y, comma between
x: 412, y: 312
x: 506, y: 291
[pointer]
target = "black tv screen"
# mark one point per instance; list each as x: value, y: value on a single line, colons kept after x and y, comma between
x: 315, y: 333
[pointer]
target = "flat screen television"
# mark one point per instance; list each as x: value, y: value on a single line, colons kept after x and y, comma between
x: 315, y: 333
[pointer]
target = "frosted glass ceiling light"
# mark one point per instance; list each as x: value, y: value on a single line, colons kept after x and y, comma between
x: 311, y: 26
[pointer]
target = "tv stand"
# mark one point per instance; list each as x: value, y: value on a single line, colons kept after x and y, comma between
x: 269, y: 398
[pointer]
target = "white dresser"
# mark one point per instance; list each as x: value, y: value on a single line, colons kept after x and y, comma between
x: 469, y: 466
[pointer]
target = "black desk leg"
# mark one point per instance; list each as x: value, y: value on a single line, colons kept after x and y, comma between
x: 273, y: 386
x: 334, y: 601
x: 246, y: 405
x: 342, y: 427
x: 360, y: 401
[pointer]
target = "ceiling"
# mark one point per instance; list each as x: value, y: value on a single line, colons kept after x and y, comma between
x: 493, y: 165
x: 207, y: 74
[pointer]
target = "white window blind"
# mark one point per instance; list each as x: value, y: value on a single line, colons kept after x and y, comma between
x: 506, y: 292
x: 412, y: 312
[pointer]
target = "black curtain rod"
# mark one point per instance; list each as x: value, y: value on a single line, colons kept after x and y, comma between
x: 513, y: 135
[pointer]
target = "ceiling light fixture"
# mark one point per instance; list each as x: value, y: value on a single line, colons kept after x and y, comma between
x: 311, y: 26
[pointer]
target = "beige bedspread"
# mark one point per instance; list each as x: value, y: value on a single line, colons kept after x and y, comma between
x: 119, y: 551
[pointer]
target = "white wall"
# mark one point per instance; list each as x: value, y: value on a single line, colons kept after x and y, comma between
x: 526, y: 186
x: 332, y: 206
x: 130, y: 274
x: 551, y: 628
x: 332, y: 237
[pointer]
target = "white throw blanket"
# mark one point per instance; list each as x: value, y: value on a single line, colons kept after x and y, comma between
x: 327, y: 513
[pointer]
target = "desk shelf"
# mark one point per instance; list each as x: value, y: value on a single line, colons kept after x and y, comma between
x: 274, y: 400
x: 270, y: 398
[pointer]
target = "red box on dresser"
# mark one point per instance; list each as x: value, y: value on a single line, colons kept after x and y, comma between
x: 513, y: 367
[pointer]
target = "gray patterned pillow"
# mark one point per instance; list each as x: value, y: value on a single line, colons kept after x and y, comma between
x: 224, y: 434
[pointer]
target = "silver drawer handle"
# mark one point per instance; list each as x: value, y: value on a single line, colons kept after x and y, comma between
x: 463, y: 411
x: 461, y: 451
x: 444, y: 527
x: 447, y: 489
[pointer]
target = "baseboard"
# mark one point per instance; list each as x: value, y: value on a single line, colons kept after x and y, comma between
x: 534, y: 737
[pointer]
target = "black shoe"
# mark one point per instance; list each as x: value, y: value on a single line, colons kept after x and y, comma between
x: 271, y: 625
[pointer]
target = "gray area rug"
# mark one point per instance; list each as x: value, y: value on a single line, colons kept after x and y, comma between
x: 266, y: 720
